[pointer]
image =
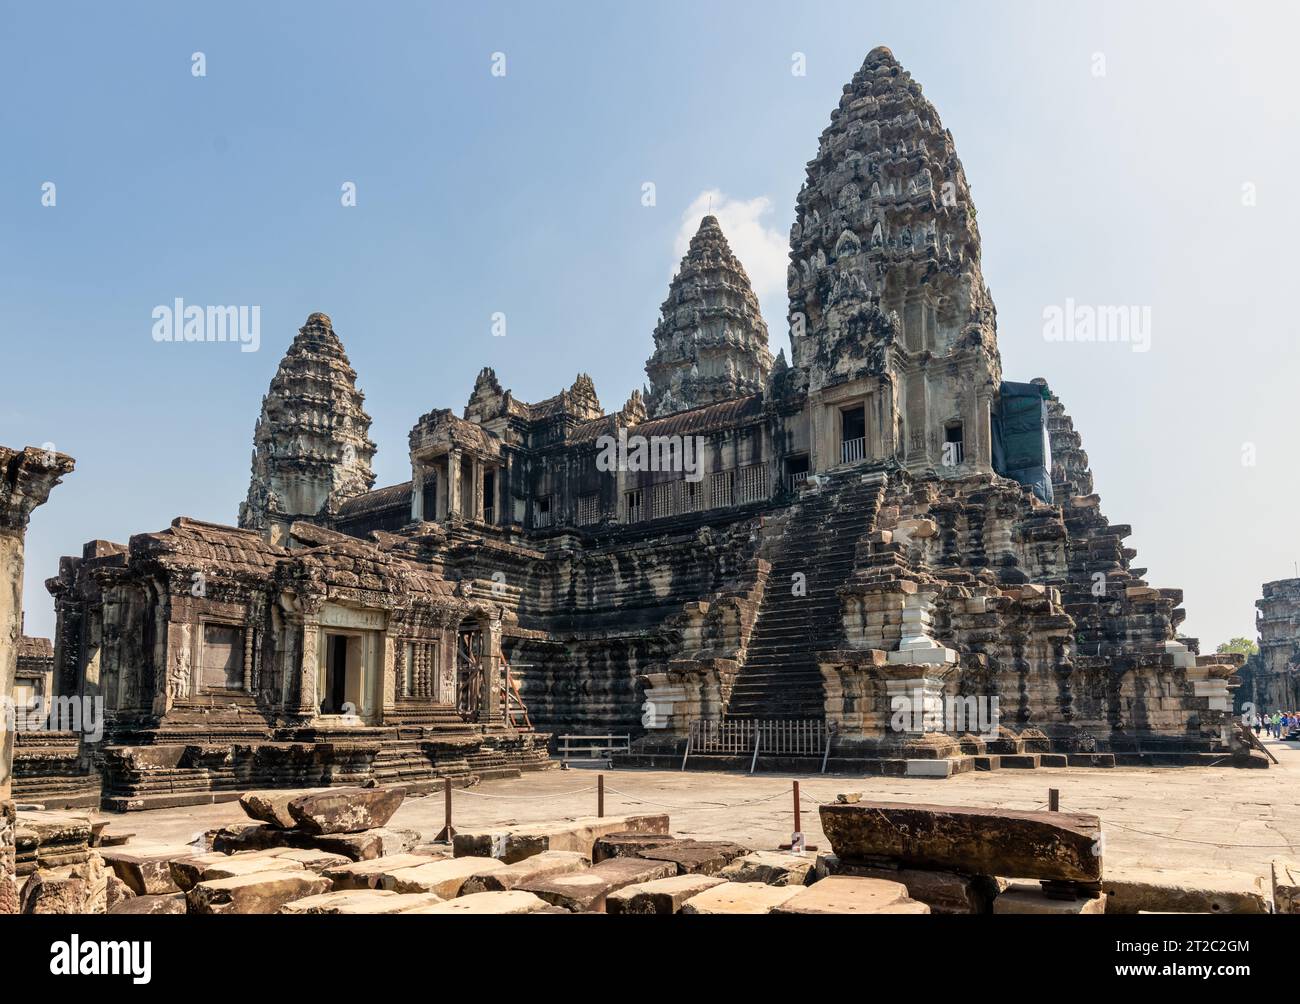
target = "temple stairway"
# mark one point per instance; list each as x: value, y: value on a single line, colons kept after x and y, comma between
x: 780, y: 678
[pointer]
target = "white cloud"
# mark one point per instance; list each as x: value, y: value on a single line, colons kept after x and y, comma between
x: 764, y: 251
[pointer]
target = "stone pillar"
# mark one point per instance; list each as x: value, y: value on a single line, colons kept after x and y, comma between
x: 490, y: 712
x: 476, y: 490
x: 453, y: 482
x: 26, y: 479
x: 309, y: 666
x: 417, y: 492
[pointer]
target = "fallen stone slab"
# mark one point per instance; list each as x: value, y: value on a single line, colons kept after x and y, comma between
x: 662, y: 896
x: 444, y: 877
x: 539, y: 866
x: 364, y: 846
x: 488, y: 903
x: 272, y: 805
x: 172, y: 902
x: 850, y: 894
x: 628, y: 845
x: 697, y: 857
x: 345, y: 810
x: 586, y: 891
x: 771, y: 868
x: 1059, y: 846
x: 942, y: 892
x: 359, y: 901
x: 1023, y: 899
x: 1184, y: 890
x: 263, y: 892
x: 515, y: 843
x: 367, y: 874
x: 312, y: 859
x: 146, y: 868
x: 739, y: 898
x: 189, y: 872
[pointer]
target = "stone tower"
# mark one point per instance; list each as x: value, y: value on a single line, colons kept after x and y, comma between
x: 884, y: 278
x: 711, y: 340
x: 311, y: 446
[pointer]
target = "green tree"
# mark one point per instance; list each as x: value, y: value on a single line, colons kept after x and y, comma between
x: 1244, y: 646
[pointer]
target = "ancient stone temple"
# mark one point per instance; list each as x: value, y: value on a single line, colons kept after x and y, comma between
x: 834, y: 547
x: 1273, y: 676
x: 26, y: 479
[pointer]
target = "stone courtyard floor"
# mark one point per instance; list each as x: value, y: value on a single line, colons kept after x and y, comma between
x: 1211, y: 818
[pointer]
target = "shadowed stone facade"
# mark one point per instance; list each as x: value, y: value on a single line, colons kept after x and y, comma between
x: 811, y: 539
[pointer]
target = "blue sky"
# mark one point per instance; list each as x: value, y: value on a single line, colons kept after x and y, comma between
x: 521, y: 194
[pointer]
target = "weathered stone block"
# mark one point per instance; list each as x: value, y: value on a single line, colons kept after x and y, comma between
x: 538, y: 866
x: 1031, y: 899
x: 740, y: 897
x: 146, y: 868
x: 942, y: 892
x: 628, y: 845
x: 585, y: 891
x: 850, y: 894
x: 518, y: 842
x: 444, y: 878
x: 272, y: 806
x: 367, y: 874
x: 488, y: 903
x: 263, y: 892
x: 345, y: 810
x: 662, y: 896
x: 697, y: 857
x: 173, y: 902
x: 359, y: 901
x: 771, y: 868
x: 1043, y: 845
x: 1184, y: 890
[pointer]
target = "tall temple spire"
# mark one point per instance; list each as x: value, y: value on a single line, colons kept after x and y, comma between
x: 885, y: 217
x: 711, y: 340
x: 884, y: 275
x: 311, y: 447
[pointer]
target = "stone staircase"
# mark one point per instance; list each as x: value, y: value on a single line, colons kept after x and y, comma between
x: 780, y: 678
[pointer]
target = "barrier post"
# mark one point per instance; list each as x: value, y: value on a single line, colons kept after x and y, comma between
x: 448, y: 831
x: 600, y: 795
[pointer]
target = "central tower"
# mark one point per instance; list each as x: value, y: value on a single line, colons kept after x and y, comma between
x: 890, y: 319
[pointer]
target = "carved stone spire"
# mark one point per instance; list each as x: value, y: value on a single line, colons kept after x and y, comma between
x: 885, y: 226
x: 311, y: 446
x: 711, y: 340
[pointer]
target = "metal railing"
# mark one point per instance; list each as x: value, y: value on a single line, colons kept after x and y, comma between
x: 853, y: 450
x: 751, y: 737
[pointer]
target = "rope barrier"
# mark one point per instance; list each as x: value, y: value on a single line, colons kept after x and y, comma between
x: 557, y: 794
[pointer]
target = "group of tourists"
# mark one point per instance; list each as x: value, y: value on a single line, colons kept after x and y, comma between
x: 1278, y: 725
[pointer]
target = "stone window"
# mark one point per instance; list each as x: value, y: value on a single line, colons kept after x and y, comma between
x: 634, y: 506
x: 692, y: 496
x: 954, y: 445
x: 542, y: 514
x: 221, y: 662
x: 589, y: 509
x: 753, y: 483
x: 721, y: 489
x: 663, y: 499
x: 408, y: 670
